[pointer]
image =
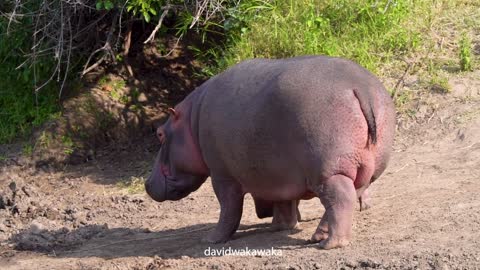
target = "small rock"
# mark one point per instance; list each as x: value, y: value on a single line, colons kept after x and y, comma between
x: 369, y: 263
x: 2, y: 203
x: 215, y: 266
x: 52, y: 214
x: 36, y: 227
x: 142, y: 97
x: 27, y: 191
x: 13, y: 187
x: 81, y: 220
x: 351, y: 264
x: 3, y: 228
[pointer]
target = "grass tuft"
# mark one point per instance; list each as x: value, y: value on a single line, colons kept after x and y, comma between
x: 132, y: 185
x: 465, y: 53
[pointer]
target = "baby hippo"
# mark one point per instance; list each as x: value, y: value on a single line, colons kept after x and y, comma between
x: 282, y: 130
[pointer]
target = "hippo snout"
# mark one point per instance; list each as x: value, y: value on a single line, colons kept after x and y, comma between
x: 155, y: 189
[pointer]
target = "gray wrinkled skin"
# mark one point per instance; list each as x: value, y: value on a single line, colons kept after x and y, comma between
x: 285, y: 130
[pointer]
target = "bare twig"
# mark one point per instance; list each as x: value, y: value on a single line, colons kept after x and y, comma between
x: 12, y: 15
x: 61, y: 27
x: 106, y: 48
x: 159, y: 24
x: 173, y: 48
x: 207, y: 8
x: 68, y: 61
x: 128, y: 40
x: 401, y: 81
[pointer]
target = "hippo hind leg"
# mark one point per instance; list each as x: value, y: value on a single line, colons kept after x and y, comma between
x: 338, y: 196
x: 285, y: 215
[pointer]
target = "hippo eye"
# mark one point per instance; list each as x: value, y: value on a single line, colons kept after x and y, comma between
x: 161, y: 136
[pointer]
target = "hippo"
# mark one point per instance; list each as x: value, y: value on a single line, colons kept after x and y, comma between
x: 281, y: 130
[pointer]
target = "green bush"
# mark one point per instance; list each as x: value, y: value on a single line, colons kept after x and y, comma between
x: 369, y: 31
x: 20, y: 108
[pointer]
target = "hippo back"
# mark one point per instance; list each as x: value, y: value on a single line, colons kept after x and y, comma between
x: 286, y: 120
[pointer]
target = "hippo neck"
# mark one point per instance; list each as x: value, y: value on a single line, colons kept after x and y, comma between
x: 194, y: 101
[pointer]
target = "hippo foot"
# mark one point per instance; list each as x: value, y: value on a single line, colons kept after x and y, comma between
x: 215, y: 238
x: 322, y: 230
x: 319, y: 236
x: 338, y: 196
x: 330, y: 243
x: 365, y: 205
x: 364, y: 200
x: 285, y: 215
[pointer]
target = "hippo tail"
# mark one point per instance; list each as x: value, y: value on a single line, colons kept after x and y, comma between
x: 367, y: 105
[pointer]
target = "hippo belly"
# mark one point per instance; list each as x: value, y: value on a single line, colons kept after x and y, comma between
x: 275, y: 187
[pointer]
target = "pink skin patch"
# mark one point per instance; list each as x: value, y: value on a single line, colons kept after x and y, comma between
x: 165, y: 170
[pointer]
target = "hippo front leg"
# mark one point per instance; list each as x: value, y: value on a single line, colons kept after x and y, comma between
x: 338, y: 196
x: 230, y: 196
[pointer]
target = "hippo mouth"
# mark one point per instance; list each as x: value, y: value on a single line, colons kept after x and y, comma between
x: 156, y: 185
x: 165, y: 183
x: 173, y: 189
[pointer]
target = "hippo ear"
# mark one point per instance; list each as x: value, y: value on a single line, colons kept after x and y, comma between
x: 173, y: 113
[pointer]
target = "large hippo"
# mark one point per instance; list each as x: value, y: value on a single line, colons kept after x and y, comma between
x: 281, y: 130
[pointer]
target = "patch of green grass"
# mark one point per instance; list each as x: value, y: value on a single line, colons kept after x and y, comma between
x: 133, y: 185
x: 368, y: 31
x: 45, y: 139
x: 135, y: 94
x: 115, y: 88
x: 465, y: 54
x: 27, y: 149
x: 161, y: 48
x: 68, y: 144
x: 440, y: 84
x: 403, y: 98
x: 103, y: 80
x: 118, y: 84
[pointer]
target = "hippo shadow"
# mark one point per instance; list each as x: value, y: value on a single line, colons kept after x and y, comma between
x: 101, y: 241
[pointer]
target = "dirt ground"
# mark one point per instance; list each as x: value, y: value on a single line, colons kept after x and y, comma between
x: 425, y: 214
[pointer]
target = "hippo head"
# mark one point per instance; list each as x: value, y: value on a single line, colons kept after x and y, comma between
x: 179, y: 168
